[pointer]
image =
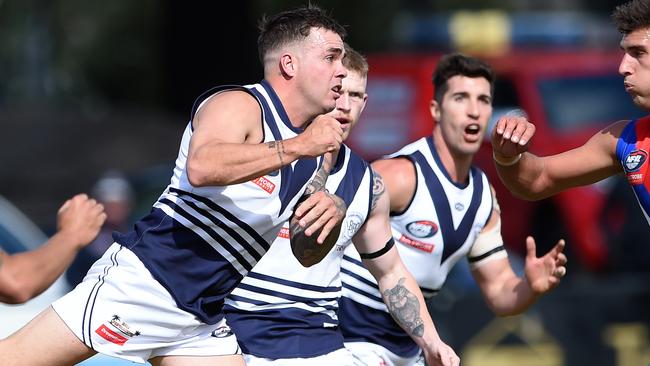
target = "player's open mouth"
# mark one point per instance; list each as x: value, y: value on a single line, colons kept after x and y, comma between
x: 337, y: 89
x: 472, y: 129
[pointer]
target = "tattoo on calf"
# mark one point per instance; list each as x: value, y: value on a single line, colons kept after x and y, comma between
x: 378, y: 188
x: 405, y: 308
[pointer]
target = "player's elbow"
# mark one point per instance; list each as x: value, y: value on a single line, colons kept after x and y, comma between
x: 16, y: 292
x: 200, y: 176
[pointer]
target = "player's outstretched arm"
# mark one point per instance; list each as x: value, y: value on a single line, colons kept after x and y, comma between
x: 25, y: 275
x: 226, y: 144
x: 532, y: 177
x: 505, y: 292
x: 398, y: 287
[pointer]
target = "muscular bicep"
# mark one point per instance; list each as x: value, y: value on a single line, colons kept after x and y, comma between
x: 374, y: 235
x: 229, y: 117
x: 587, y: 164
x: 398, y: 176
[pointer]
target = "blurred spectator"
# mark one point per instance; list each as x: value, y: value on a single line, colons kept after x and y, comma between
x: 114, y: 191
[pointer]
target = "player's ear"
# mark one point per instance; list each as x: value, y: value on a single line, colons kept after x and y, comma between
x: 288, y: 64
x: 434, y: 108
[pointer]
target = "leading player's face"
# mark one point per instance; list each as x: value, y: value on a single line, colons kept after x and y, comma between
x: 464, y: 112
x: 321, y: 68
x: 351, y: 102
x: 635, y: 66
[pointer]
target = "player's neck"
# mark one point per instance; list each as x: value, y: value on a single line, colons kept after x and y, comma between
x: 293, y: 102
x: 457, y: 165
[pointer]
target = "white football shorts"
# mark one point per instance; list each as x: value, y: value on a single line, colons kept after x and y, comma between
x: 339, y: 357
x: 370, y: 354
x: 120, y: 310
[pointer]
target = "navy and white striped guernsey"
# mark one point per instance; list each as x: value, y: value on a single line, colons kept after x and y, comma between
x: 436, y: 230
x: 199, y: 242
x: 283, y: 310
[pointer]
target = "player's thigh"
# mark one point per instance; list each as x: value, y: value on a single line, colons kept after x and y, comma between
x: 46, y: 340
x: 231, y: 360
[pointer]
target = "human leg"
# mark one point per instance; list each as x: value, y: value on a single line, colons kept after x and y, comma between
x: 46, y: 340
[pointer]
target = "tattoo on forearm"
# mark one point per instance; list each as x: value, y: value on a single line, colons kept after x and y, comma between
x: 279, y: 148
x: 318, y: 183
x: 405, y: 308
x: 378, y: 189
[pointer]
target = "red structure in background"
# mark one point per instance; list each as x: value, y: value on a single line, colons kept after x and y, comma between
x: 569, y: 95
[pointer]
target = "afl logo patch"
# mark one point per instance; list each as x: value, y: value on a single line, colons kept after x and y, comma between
x: 422, y: 229
x: 634, y: 160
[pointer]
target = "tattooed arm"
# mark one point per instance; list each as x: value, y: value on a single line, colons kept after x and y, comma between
x: 399, y: 290
x: 319, y: 212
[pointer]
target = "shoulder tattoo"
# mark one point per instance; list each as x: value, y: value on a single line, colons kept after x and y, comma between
x: 378, y: 188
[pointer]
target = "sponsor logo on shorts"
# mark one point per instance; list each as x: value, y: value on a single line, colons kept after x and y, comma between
x: 121, y: 325
x: 222, y: 332
x: 422, y: 228
x: 425, y: 247
x: 633, y: 163
x: 265, y: 184
x: 110, y: 335
x: 116, y: 331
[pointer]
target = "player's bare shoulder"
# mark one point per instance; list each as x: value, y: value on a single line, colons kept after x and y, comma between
x: 398, y: 178
x: 231, y: 110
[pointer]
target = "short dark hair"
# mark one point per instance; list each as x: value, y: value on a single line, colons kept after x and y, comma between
x: 354, y: 61
x: 458, y: 64
x: 631, y: 16
x: 292, y: 25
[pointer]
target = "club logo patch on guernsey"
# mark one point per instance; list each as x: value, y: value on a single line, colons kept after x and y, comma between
x: 634, y: 161
x: 422, y: 228
x: 116, y: 331
x: 265, y: 184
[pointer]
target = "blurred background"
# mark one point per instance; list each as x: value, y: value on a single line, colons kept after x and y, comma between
x: 94, y: 97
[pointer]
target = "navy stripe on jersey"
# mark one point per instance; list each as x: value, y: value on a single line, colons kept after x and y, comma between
x: 304, y: 167
x: 453, y: 238
x: 300, y: 299
x: 377, y: 326
x: 354, y: 174
x: 213, y: 234
x: 358, y: 290
x: 229, y: 216
x: 278, y: 106
x: 260, y: 333
x: 195, y: 274
x: 303, y: 286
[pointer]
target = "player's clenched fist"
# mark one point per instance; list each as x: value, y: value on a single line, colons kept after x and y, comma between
x: 323, y: 135
x: 81, y: 218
